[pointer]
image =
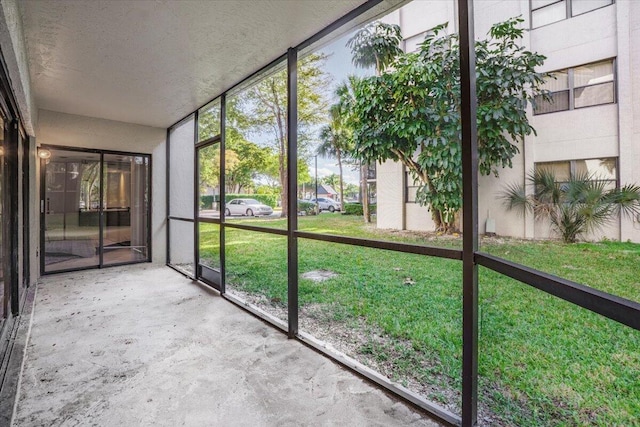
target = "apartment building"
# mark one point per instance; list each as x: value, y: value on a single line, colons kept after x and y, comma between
x: 592, y: 125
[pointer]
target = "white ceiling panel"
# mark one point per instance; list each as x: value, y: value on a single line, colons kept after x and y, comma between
x: 153, y: 62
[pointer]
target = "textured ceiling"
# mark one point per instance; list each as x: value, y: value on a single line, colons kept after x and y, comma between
x: 153, y: 62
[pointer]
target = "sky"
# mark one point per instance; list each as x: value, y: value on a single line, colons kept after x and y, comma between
x: 339, y: 66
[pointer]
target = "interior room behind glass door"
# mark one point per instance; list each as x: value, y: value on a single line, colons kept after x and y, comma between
x: 125, y: 208
x: 71, y: 208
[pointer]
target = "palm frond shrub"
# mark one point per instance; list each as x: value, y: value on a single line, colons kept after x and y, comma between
x: 581, y: 205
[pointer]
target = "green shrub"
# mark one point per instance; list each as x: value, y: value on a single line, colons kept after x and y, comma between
x: 267, y: 199
x: 356, y: 209
x: 308, y: 208
x: 206, y: 202
x: 353, y: 209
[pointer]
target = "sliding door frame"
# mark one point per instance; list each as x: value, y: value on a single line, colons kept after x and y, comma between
x: 211, y: 142
x: 101, y: 215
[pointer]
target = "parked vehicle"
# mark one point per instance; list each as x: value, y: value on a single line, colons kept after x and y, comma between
x: 248, y: 207
x: 325, y: 204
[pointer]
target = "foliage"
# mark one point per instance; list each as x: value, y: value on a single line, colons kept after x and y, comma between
x: 581, y: 205
x: 356, y: 209
x: 414, y: 106
x: 245, y: 161
x: 375, y: 45
x: 206, y: 202
x: 248, y: 161
x: 267, y: 199
x: 336, y: 141
x: 90, y: 184
x: 333, y: 180
x: 263, y: 112
x: 209, y: 121
x: 344, y: 107
x: 309, y: 208
x: 351, y: 191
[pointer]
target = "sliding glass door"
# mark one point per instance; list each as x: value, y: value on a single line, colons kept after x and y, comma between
x: 5, y: 289
x: 126, y: 204
x: 71, y: 210
x: 95, y: 209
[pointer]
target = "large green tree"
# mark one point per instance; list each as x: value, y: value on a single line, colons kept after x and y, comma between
x: 374, y: 46
x: 411, y: 112
x: 245, y: 162
x: 264, y: 110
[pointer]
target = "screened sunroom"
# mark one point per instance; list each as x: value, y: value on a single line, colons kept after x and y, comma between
x: 358, y: 212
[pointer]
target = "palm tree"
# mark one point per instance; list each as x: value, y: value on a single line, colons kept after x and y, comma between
x: 335, y: 142
x: 581, y: 205
x: 375, y: 45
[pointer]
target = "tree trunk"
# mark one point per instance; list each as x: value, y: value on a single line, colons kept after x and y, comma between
x: 364, y: 193
x: 282, y: 154
x: 437, y: 219
x: 341, y: 182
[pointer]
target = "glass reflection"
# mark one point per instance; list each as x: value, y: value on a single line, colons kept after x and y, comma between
x: 209, y: 181
x: 126, y: 208
x: 71, y: 210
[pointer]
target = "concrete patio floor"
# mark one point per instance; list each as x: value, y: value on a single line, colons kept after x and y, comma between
x: 142, y: 345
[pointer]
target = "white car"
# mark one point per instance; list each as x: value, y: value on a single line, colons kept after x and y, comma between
x: 325, y: 204
x: 248, y: 207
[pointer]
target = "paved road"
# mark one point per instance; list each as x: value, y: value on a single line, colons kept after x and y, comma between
x: 216, y: 214
x: 274, y: 215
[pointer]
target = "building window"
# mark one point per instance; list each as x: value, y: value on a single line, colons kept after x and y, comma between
x: 410, y: 188
x: 578, y: 7
x: 604, y: 170
x: 371, y: 172
x: 544, y: 12
x: 578, y: 87
x: 593, y: 84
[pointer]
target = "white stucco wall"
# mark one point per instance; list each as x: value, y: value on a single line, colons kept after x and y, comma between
x: 628, y: 30
x: 419, y: 16
x: 418, y: 218
x: 390, y: 192
x: 490, y: 203
x: 585, y: 133
x: 582, y: 39
x: 86, y: 132
x: 488, y: 12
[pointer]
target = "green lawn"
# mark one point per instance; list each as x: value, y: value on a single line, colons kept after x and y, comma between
x: 542, y: 361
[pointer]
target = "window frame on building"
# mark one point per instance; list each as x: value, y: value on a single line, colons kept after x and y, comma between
x: 568, y: 10
x: 572, y: 88
x: 411, y: 187
x: 573, y: 168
